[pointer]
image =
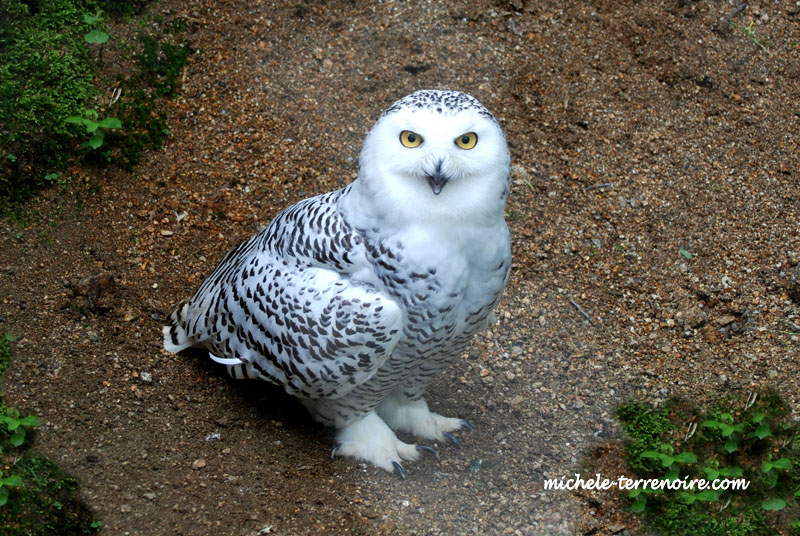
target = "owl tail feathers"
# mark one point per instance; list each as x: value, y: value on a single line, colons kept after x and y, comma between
x: 175, y: 337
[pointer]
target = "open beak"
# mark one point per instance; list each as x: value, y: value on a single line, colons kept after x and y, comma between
x: 437, y: 179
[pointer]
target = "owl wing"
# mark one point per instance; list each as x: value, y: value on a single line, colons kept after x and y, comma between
x: 283, y: 307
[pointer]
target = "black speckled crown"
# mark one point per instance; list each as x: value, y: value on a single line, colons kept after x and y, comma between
x: 442, y: 101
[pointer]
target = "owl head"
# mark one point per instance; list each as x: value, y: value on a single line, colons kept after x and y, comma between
x: 434, y: 155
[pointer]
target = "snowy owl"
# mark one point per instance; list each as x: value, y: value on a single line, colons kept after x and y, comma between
x: 355, y: 300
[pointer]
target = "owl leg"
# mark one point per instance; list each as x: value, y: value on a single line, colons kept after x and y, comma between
x: 371, y: 440
x: 413, y: 416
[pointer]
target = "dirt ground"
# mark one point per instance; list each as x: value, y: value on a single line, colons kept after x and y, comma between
x: 654, y: 216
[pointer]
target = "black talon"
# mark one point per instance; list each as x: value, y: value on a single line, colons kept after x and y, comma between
x: 426, y: 448
x: 465, y: 424
x: 452, y: 439
x: 336, y: 447
x: 399, y: 469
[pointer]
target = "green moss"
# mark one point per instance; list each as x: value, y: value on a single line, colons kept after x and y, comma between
x: 676, y: 518
x: 5, y: 355
x: 644, y: 428
x: 48, y: 72
x: 47, y: 503
x: 45, y: 76
x: 754, y: 440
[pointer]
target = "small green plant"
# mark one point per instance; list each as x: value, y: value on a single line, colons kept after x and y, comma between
x: 97, y: 36
x: 17, y: 426
x: 748, y: 454
x: 750, y: 33
x: 94, y: 126
x: 36, y: 497
x: 6, y: 483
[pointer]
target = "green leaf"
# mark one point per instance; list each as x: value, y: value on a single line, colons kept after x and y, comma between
x: 725, y: 429
x: 96, y: 37
x: 639, y: 504
x: 758, y: 416
x: 783, y: 463
x: 762, y: 431
x: 80, y: 121
x: 3, y: 495
x: 688, y: 497
x: 96, y: 140
x: 685, y: 253
x: 770, y: 479
x: 731, y: 445
x: 18, y: 438
x: 11, y: 423
x: 11, y: 156
x: 711, y: 473
x: 30, y: 420
x: 671, y: 474
x: 50, y: 177
x: 730, y: 472
x: 773, y: 504
x: 707, y: 495
x: 686, y: 457
x: 93, y: 19
x: 666, y: 460
x: 110, y: 122
x: 13, y: 480
x: 10, y: 337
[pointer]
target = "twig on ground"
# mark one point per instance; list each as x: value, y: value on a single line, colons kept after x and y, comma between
x: 598, y: 186
x: 580, y: 309
x: 738, y: 9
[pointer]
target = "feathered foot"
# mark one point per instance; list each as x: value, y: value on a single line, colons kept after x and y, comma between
x: 414, y: 417
x: 371, y: 440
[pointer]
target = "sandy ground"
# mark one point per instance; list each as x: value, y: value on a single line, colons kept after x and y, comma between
x: 654, y: 216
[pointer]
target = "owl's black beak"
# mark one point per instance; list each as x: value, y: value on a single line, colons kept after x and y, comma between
x: 437, y: 179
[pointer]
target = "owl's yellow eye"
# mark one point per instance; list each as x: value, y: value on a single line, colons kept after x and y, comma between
x: 410, y: 139
x: 467, y: 141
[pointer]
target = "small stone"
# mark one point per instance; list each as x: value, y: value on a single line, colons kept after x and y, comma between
x: 164, y: 232
x: 516, y: 401
x: 485, y: 372
x: 198, y: 463
x: 772, y: 374
x: 125, y: 508
x: 146, y: 377
x: 99, y: 290
x: 694, y: 317
x: 149, y: 495
x: 726, y: 320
